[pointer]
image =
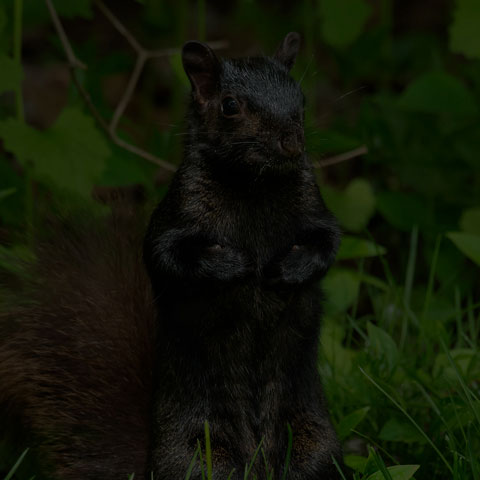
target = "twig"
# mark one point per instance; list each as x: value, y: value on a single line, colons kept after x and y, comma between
x: 120, y: 27
x: 127, y: 94
x: 343, y: 157
x: 143, y: 55
x: 74, y: 63
x: 72, y: 58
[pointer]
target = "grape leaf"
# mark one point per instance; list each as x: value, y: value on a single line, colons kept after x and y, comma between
x: 355, y: 247
x: 468, y: 244
x: 470, y: 220
x: 438, y: 92
x: 397, y: 472
x: 354, y: 206
x: 349, y: 422
x: 70, y: 155
x: 341, y: 289
x: 395, y: 430
x: 464, y: 37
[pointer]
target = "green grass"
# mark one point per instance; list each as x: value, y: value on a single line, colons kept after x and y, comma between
x: 402, y: 377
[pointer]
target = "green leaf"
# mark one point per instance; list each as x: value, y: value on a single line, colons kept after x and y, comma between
x: 71, y: 155
x: 355, y: 462
x: 348, y: 423
x: 468, y: 244
x: 341, y: 288
x: 355, y: 247
x: 403, y: 210
x: 342, y: 26
x: 383, y: 346
x: 11, y: 74
x: 354, y: 206
x: 470, y: 221
x: 396, y: 430
x: 438, y: 92
x: 12, y: 471
x: 398, y: 472
x: 464, y: 37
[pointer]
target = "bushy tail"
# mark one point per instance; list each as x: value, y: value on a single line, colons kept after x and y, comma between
x: 76, y: 352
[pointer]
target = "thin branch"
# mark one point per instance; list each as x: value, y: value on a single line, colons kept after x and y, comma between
x: 127, y: 94
x: 143, y: 153
x: 112, y: 135
x: 343, y: 157
x: 74, y: 63
x: 88, y: 100
x: 113, y: 19
x: 72, y: 58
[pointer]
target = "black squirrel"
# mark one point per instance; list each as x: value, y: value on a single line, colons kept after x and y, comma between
x: 109, y: 379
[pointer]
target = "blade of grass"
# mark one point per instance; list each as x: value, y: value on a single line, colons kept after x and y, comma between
x: 191, y: 465
x: 230, y: 474
x: 248, y: 468
x: 415, y: 424
x: 12, y: 471
x: 289, y: 452
x: 373, y: 442
x: 473, y: 458
x: 472, y: 325
x: 467, y: 391
x: 337, y: 466
x: 201, y: 459
x: 458, y: 318
x: 208, y: 451
x: 412, y: 258
x: 431, y: 277
x: 379, y: 463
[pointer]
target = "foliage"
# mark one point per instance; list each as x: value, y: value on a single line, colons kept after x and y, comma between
x: 400, y: 358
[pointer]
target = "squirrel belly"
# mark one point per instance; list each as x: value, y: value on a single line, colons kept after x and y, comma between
x: 120, y: 355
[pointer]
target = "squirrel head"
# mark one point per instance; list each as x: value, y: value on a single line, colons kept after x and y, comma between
x: 249, y: 112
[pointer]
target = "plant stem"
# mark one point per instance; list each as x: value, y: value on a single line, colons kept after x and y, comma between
x: 17, y: 53
x: 17, y: 57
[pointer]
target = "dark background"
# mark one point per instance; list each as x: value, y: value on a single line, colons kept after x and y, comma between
x: 393, y: 127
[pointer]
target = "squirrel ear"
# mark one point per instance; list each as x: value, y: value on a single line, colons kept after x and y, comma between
x: 287, y: 51
x: 202, y: 68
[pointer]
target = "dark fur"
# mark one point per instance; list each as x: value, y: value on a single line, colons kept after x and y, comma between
x: 76, y: 359
x: 234, y: 252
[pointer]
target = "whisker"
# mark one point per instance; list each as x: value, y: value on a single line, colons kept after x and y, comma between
x: 341, y: 97
x: 305, y: 71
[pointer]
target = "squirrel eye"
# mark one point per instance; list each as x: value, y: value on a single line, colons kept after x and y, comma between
x: 230, y: 107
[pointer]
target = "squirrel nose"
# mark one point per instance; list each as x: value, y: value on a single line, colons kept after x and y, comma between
x: 291, y: 144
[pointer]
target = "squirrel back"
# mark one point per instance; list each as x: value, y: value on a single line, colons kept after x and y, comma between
x: 76, y: 353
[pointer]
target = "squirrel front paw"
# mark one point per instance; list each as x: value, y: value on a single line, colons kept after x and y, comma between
x: 301, y: 264
x: 223, y: 262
